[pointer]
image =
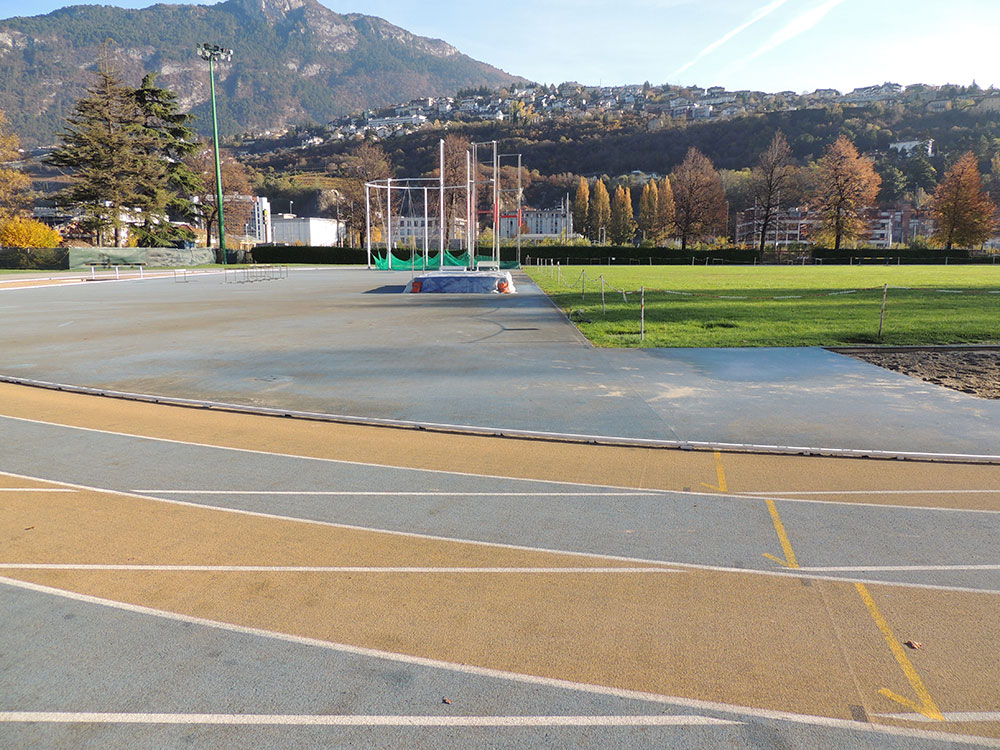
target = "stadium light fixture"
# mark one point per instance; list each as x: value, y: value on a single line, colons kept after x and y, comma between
x: 213, y: 52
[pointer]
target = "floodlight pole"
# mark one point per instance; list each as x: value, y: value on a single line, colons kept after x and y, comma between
x: 213, y: 52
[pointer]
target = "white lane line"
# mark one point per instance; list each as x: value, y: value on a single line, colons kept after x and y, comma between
x: 956, y: 716
x: 520, y: 547
x: 340, y: 461
x: 33, y: 489
x: 59, y: 717
x: 878, y: 492
x: 896, y: 568
x: 407, y: 469
x: 325, y: 569
x: 403, y: 493
x: 419, y: 661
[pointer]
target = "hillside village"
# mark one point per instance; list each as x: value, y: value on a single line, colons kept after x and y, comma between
x: 659, y: 104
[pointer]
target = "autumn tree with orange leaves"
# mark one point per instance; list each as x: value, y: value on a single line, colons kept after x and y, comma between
x: 964, y: 213
x: 848, y: 186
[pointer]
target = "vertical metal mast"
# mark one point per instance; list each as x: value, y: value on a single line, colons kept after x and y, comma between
x: 388, y: 221
x: 441, y: 248
x: 427, y: 229
x: 470, y: 203
x: 496, y: 204
x: 368, y: 222
x: 519, y: 191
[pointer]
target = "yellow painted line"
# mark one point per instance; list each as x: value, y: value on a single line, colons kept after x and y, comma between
x: 720, y: 474
x: 786, y: 545
x: 927, y: 707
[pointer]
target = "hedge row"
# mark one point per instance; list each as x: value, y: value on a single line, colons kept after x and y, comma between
x: 310, y: 254
x: 34, y: 259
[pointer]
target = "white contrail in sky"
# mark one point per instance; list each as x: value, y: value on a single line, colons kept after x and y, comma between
x: 797, y: 26
x: 758, y: 15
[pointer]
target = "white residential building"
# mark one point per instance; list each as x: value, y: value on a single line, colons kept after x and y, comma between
x: 409, y: 231
x: 310, y: 231
x: 539, y: 223
x: 910, y: 147
x: 260, y: 220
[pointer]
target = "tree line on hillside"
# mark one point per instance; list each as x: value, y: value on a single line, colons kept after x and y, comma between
x: 133, y: 158
x: 690, y: 204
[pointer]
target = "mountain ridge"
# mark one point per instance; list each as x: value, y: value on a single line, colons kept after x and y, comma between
x: 294, y: 61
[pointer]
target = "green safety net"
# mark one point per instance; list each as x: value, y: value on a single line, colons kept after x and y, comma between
x: 433, y: 262
x: 82, y: 257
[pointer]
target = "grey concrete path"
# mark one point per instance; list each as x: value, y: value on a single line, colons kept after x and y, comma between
x: 344, y: 341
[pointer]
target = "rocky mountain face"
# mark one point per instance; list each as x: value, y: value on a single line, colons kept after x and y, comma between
x: 294, y: 61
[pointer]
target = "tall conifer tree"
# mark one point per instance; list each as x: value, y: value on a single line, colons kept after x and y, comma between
x: 171, y: 141
x: 622, y: 225
x: 649, y: 204
x: 107, y: 151
x: 665, y: 211
x: 581, y: 206
x: 600, y: 212
x: 964, y: 213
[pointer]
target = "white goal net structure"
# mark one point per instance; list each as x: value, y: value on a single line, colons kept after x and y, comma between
x: 422, y: 222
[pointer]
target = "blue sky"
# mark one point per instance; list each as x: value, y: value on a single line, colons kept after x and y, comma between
x: 769, y: 45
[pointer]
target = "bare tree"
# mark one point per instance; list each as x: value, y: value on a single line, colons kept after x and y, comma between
x: 771, y: 178
x: 699, y: 198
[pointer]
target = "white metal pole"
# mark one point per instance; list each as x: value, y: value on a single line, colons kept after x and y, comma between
x: 519, y: 190
x: 469, y: 210
x: 441, y: 248
x: 368, y: 223
x: 388, y: 220
x: 427, y: 229
x: 496, y: 203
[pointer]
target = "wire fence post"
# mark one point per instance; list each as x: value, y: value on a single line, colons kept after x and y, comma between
x: 583, y: 286
x: 642, y: 313
x: 604, y: 308
x: 881, y: 320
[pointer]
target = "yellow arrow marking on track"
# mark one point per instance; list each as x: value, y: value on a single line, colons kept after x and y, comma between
x: 927, y: 706
x: 720, y: 476
x: 786, y: 545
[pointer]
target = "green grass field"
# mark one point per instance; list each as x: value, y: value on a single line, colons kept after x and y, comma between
x: 726, y: 306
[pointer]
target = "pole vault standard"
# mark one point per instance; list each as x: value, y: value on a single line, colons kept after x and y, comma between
x: 472, y: 175
x: 395, y: 229
x: 470, y: 220
x: 518, y: 195
x: 427, y: 230
x: 388, y: 222
x: 368, y: 223
x: 441, y: 185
